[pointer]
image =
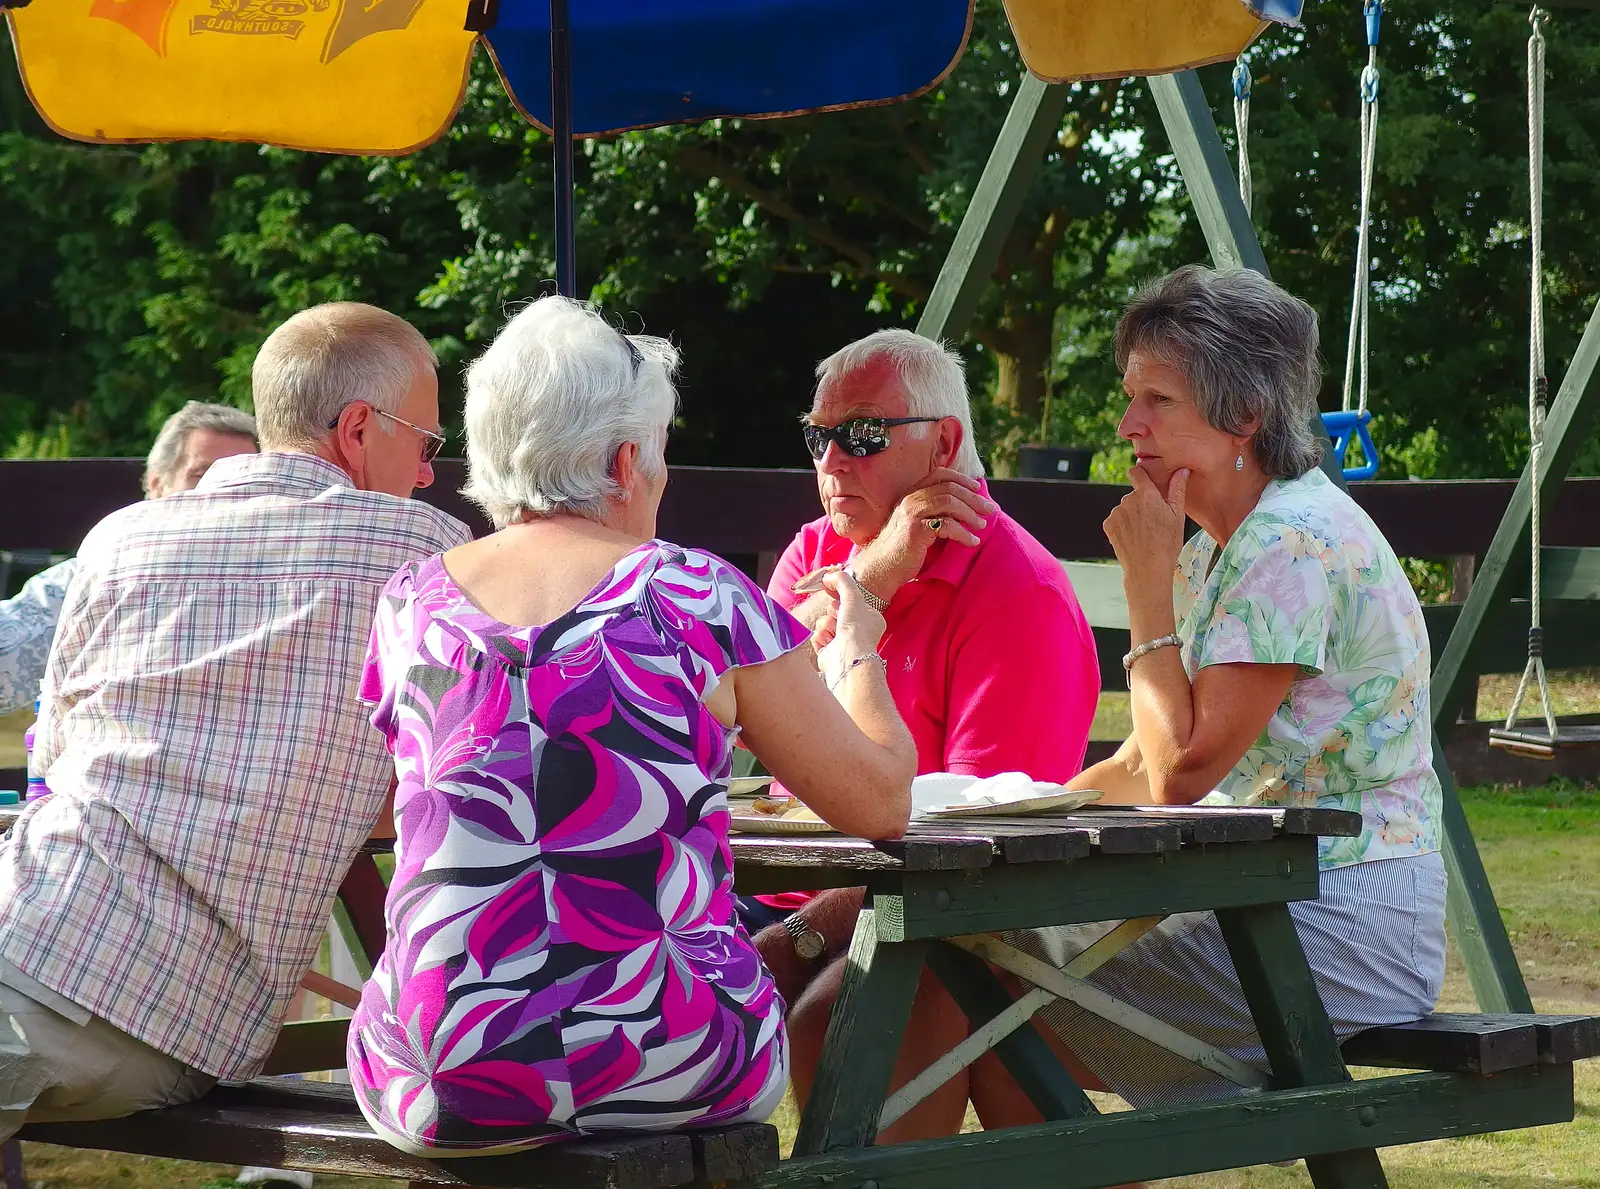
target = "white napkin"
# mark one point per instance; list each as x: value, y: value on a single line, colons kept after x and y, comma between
x: 939, y: 790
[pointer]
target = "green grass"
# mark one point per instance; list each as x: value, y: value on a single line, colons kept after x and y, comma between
x: 11, y: 728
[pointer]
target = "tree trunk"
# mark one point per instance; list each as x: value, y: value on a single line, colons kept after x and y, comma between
x: 1019, y: 373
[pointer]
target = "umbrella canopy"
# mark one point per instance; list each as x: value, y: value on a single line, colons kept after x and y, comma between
x: 1083, y: 39
x: 386, y: 76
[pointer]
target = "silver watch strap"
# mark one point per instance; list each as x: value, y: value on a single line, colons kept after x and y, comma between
x: 873, y: 600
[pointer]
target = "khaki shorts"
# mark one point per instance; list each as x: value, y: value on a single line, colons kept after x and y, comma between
x: 52, y: 1069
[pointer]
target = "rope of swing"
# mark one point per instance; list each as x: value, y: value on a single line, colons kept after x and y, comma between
x: 1241, y: 124
x: 1538, y: 384
x: 1360, y: 315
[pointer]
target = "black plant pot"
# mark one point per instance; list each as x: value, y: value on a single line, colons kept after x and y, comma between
x: 1054, y: 462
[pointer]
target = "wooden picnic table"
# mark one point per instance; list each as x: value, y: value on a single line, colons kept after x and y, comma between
x: 936, y: 897
x: 946, y: 880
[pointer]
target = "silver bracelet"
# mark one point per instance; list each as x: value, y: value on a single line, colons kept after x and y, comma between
x: 860, y: 660
x: 1170, y: 640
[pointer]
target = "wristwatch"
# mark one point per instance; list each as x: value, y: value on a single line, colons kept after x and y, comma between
x: 873, y: 600
x: 808, y: 943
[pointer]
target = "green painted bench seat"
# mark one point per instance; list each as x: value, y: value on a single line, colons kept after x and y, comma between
x: 1477, y: 1043
x: 316, y: 1127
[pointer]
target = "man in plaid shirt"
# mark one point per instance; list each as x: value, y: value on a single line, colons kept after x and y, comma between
x: 213, y: 772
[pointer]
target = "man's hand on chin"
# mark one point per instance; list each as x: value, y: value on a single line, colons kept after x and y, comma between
x: 944, y: 505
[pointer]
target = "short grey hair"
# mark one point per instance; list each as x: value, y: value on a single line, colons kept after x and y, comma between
x: 1249, y: 350
x: 931, y: 373
x: 330, y: 356
x: 170, y: 441
x: 550, y: 402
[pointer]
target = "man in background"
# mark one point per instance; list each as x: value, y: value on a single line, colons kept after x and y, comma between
x: 189, y: 442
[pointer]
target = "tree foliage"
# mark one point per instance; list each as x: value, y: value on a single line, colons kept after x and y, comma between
x: 1450, y: 273
x: 133, y: 279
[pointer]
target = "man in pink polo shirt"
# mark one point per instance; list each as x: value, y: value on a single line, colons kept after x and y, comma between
x: 989, y: 658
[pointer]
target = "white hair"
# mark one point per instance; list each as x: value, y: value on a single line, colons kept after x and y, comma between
x: 550, y: 402
x: 175, y: 431
x: 330, y: 356
x: 933, y: 376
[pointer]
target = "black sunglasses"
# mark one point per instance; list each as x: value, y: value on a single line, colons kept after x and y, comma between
x: 859, y: 436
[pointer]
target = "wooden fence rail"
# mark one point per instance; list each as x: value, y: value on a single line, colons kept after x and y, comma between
x: 744, y: 512
x: 51, y: 504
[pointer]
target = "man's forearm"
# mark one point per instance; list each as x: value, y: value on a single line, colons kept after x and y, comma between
x: 833, y: 914
x: 813, y: 611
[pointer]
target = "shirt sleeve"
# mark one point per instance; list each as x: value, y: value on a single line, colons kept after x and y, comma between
x: 27, y: 626
x: 1023, y: 690
x: 1273, y: 607
x: 389, y: 651
x: 718, y: 619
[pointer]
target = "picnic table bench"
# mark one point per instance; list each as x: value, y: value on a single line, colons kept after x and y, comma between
x: 936, y: 897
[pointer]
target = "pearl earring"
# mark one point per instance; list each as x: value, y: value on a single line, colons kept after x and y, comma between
x: 1238, y: 462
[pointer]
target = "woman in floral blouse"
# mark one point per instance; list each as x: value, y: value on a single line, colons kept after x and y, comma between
x: 1289, y: 667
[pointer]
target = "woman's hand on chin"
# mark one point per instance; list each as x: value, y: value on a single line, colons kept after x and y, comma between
x: 1146, y: 528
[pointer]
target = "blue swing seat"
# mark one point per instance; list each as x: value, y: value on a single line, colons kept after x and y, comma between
x: 1340, y: 426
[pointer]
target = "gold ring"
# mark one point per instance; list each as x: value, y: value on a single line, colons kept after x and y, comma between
x: 935, y: 524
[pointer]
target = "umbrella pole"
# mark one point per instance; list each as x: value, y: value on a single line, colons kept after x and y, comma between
x: 561, y: 134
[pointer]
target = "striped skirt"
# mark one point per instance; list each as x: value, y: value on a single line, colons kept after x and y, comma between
x: 1374, y: 938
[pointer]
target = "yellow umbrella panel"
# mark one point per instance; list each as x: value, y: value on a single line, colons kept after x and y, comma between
x: 1063, y: 40
x: 368, y: 76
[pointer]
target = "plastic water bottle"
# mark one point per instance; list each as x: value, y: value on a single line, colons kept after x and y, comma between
x: 36, y: 786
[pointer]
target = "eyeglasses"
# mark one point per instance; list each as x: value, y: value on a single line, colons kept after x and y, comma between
x: 859, y: 436
x: 433, y: 440
x: 635, y: 356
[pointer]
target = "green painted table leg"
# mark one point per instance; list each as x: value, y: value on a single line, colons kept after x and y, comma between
x: 1024, y: 1053
x: 1293, y: 1025
x: 1474, y: 917
x: 863, y: 1040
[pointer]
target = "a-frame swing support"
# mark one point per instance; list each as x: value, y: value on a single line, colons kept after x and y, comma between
x: 1034, y: 119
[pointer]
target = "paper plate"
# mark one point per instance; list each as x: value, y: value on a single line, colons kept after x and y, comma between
x: 1062, y: 802
x: 766, y: 823
x: 748, y: 786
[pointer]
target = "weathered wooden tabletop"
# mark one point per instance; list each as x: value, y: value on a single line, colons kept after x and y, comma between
x: 947, y: 844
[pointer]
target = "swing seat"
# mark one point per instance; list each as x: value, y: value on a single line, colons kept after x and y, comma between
x: 1536, y: 743
x: 1340, y: 427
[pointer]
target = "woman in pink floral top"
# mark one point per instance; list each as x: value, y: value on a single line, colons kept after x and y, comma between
x: 562, y: 699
